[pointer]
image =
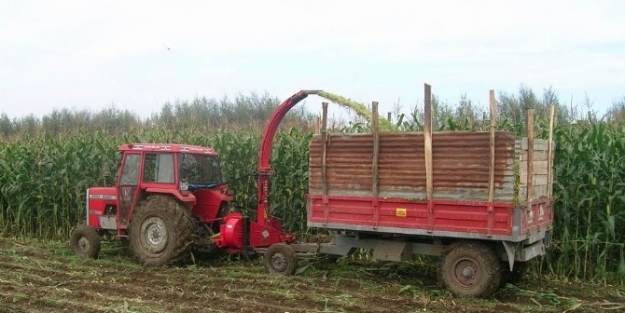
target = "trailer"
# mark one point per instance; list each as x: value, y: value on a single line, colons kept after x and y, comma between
x: 481, y: 200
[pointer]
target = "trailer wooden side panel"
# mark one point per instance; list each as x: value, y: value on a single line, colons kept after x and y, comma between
x: 541, y: 167
x: 461, y: 163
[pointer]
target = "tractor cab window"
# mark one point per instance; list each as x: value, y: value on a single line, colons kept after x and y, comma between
x: 130, y: 172
x: 200, y: 169
x: 159, y: 168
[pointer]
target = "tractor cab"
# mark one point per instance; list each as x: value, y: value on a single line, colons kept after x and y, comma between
x: 158, y: 189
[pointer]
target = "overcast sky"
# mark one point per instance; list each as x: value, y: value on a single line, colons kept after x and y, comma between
x: 140, y: 54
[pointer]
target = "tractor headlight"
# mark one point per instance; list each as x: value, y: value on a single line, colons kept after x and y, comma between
x: 184, y: 185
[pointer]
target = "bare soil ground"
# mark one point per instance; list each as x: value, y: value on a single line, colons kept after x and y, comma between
x: 41, y: 276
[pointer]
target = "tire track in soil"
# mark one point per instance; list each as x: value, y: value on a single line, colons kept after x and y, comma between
x: 171, y: 291
x: 316, y: 294
x: 253, y: 299
x: 45, y: 302
x: 120, y: 292
x: 183, y: 290
x: 331, y: 292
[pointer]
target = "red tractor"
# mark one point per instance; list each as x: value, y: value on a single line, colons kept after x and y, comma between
x: 167, y: 200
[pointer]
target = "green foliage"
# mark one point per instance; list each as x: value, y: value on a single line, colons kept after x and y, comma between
x: 243, y: 113
x: 43, y: 181
x: 589, y: 186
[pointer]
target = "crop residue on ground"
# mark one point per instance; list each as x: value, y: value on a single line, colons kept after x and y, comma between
x: 43, y: 276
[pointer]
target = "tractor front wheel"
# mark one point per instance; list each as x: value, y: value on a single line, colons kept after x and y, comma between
x: 85, y: 241
x: 470, y: 269
x: 280, y: 259
x: 162, y: 231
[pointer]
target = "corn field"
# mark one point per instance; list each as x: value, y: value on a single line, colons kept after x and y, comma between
x: 43, y: 178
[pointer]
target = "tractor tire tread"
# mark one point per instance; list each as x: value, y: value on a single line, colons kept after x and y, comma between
x: 84, y: 230
x: 181, y: 230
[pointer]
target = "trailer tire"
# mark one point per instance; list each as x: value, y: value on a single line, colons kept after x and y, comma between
x: 280, y: 259
x: 470, y: 269
x: 161, y: 232
x: 85, y: 241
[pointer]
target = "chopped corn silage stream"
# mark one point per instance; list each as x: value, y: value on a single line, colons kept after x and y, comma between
x: 359, y: 108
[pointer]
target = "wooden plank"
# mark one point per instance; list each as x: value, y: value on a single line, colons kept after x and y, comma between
x: 376, y: 148
x: 427, y: 151
x: 324, y: 167
x: 530, y: 153
x: 539, y: 171
x: 324, y: 148
x: 539, y: 144
x: 493, y: 128
x: 540, y: 168
x: 427, y: 132
x: 538, y: 156
x: 540, y: 164
x: 552, y: 110
x: 318, y: 125
x: 539, y: 191
x: 538, y: 180
x: 491, y: 168
x: 375, y: 189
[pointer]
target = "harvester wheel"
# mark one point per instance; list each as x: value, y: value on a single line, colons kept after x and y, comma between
x: 85, y: 241
x: 162, y: 231
x: 280, y: 259
x: 470, y: 269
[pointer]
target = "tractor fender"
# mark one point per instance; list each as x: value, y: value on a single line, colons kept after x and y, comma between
x: 188, y: 200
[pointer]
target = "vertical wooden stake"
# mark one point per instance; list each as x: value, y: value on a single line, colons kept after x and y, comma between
x: 324, y: 148
x: 389, y: 116
x: 374, y: 167
x: 427, y: 142
x: 491, y: 168
x: 552, y: 112
x: 427, y: 139
x: 493, y: 129
x: 530, y: 153
x: 318, y: 125
x: 376, y: 148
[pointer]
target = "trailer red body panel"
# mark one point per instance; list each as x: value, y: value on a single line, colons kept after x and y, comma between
x: 460, y: 218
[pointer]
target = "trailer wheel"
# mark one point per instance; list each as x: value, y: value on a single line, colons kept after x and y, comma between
x: 85, y: 241
x: 280, y: 259
x: 161, y: 232
x: 470, y: 269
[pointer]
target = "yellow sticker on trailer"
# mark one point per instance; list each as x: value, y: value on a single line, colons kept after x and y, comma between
x: 400, y: 212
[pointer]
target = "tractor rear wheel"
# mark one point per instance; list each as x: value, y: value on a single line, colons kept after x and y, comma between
x: 280, y: 259
x: 162, y: 231
x: 470, y: 269
x: 85, y: 241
